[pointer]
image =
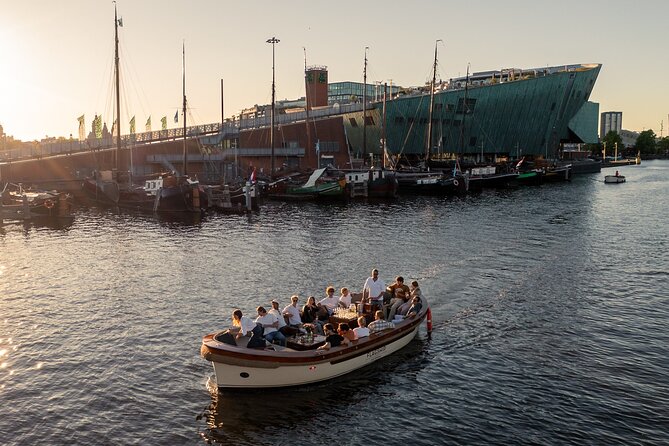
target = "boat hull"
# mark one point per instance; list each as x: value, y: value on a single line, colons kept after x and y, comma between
x: 614, y: 179
x: 331, y: 191
x: 530, y: 178
x: 502, y: 180
x: 426, y: 183
x: 557, y: 174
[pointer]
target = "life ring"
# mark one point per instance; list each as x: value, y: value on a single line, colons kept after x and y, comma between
x: 456, y: 183
x: 48, y: 204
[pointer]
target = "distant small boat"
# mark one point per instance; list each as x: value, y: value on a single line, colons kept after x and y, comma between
x: 614, y: 179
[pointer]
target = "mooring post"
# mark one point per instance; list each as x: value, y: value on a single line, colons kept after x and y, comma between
x: 26, y: 208
x: 247, y: 194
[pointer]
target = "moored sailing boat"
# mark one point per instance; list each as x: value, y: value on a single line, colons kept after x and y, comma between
x: 426, y: 180
x: 116, y: 187
x: 111, y: 187
x: 180, y: 193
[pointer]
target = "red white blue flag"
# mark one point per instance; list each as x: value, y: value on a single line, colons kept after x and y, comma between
x: 252, y: 178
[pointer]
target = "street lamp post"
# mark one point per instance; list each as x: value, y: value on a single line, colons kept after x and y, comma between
x: 273, y: 41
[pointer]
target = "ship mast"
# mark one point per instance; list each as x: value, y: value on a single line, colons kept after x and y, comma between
x: 273, y: 41
x: 306, y: 108
x: 118, y: 94
x: 183, y: 53
x: 384, y: 153
x: 464, y: 112
x: 428, y: 143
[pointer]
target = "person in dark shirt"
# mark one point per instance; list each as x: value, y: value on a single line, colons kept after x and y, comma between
x: 414, y: 309
x: 332, y: 338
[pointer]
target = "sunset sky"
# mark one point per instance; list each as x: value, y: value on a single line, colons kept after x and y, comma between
x: 57, y: 56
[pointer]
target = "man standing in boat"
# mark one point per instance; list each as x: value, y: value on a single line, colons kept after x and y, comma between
x: 373, y: 289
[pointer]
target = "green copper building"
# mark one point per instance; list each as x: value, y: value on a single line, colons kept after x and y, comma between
x: 507, y: 113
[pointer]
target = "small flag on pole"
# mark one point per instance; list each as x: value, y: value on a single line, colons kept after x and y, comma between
x: 163, y: 122
x: 252, y: 178
x: 97, y: 126
x: 148, y: 124
x: 132, y: 126
x: 176, y: 116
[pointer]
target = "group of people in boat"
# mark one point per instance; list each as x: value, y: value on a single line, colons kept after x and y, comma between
x: 387, y: 304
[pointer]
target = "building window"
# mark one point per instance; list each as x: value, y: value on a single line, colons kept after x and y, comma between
x: 472, y: 141
x: 369, y: 120
x: 328, y: 146
x: 354, y: 123
x: 466, y: 108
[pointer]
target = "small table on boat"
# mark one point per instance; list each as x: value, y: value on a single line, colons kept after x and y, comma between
x: 351, y: 320
x: 300, y: 343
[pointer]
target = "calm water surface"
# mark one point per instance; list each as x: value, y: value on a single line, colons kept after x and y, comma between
x: 550, y: 306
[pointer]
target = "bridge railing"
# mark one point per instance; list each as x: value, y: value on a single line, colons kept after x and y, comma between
x: 227, y: 129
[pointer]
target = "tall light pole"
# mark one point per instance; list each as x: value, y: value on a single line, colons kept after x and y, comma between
x: 364, y: 106
x: 273, y: 41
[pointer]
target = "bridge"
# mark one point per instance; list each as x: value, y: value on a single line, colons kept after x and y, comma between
x: 207, y: 134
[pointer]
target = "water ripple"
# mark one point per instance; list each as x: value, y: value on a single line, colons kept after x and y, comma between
x: 549, y: 308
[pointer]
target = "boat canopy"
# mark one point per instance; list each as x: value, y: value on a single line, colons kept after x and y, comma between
x: 311, y: 182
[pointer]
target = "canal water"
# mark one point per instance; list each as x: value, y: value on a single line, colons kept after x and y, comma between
x: 550, y: 308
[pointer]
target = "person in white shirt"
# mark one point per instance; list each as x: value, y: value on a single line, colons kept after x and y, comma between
x: 361, y: 330
x: 293, y: 313
x: 345, y: 298
x: 373, y: 290
x: 284, y: 327
x: 330, y: 301
x: 242, y: 323
x: 271, y: 325
x: 275, y: 311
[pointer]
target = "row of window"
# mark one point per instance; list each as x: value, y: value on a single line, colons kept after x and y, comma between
x: 323, y: 146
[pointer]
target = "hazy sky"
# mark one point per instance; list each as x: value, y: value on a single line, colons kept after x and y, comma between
x: 57, y: 56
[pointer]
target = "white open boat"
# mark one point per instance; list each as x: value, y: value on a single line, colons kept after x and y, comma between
x: 614, y: 179
x: 236, y: 366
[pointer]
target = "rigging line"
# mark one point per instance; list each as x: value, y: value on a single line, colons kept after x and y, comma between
x: 411, y: 127
x: 128, y: 67
x: 104, y: 79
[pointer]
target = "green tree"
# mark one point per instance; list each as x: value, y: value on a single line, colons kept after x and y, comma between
x: 610, y: 140
x: 593, y: 149
x: 663, y: 145
x: 645, y: 143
